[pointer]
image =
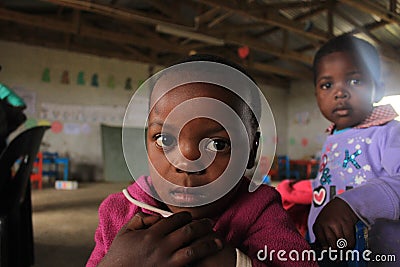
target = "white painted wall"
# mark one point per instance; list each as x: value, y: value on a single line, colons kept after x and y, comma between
x: 277, y: 99
x: 22, y: 66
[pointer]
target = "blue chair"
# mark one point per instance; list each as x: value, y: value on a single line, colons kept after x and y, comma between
x: 53, y: 160
x: 284, y: 170
x: 382, y: 240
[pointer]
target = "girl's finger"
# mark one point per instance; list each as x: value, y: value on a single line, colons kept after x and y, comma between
x: 197, y: 251
x: 142, y: 221
x: 167, y: 225
x: 188, y: 233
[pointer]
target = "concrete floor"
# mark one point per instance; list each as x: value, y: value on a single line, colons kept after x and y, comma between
x: 64, y: 222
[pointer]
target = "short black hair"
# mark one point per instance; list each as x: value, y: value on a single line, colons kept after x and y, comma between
x: 364, y: 53
x: 254, y: 95
x: 215, y: 59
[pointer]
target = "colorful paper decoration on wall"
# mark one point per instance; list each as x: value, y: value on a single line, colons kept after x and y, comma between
x: 43, y: 123
x: 85, y: 128
x: 30, y: 122
x: 292, y: 141
x: 81, y: 78
x: 128, y: 84
x: 302, y: 118
x: 56, y: 127
x: 95, y: 80
x: 304, y: 141
x: 72, y: 128
x: 243, y: 52
x: 46, y: 75
x: 111, y: 82
x: 65, y: 77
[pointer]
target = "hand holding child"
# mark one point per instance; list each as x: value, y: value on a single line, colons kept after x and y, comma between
x: 336, y: 220
x: 225, y: 257
x: 173, y: 241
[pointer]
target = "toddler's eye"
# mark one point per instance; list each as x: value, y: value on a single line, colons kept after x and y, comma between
x: 326, y: 86
x: 354, y: 82
x: 218, y: 145
x: 165, y: 140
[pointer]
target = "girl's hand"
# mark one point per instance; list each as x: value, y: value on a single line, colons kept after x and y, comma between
x: 225, y: 257
x: 154, y: 241
x: 336, y: 220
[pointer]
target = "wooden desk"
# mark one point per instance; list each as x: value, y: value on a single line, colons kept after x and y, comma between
x: 308, y: 163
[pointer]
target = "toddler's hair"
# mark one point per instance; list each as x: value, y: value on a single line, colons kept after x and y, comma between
x: 363, y: 52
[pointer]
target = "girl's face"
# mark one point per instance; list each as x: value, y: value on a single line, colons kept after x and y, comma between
x: 197, y: 134
x: 344, y: 91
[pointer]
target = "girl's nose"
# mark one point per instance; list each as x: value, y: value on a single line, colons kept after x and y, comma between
x: 190, y: 160
x: 190, y: 150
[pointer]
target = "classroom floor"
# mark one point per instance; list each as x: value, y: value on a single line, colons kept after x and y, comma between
x: 64, y: 223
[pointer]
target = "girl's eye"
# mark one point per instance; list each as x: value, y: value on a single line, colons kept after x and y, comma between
x: 355, y: 82
x: 218, y: 145
x: 326, y: 86
x: 165, y: 140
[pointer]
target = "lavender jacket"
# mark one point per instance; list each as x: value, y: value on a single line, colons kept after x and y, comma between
x: 367, y: 161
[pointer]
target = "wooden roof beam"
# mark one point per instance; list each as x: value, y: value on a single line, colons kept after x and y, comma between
x: 87, y: 31
x: 373, y: 8
x: 270, y: 18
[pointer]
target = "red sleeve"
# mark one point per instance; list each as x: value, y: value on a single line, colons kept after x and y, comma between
x: 272, y: 235
x: 114, y: 212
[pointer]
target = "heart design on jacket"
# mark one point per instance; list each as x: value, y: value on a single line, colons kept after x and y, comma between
x: 319, y: 196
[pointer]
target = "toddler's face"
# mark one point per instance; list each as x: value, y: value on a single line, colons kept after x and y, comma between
x: 199, y: 140
x: 343, y: 90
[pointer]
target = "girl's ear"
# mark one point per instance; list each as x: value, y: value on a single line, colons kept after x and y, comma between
x: 253, y: 151
x: 379, y: 92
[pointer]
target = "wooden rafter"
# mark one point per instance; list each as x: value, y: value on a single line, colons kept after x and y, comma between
x: 281, y: 47
x: 373, y: 8
x: 271, y: 18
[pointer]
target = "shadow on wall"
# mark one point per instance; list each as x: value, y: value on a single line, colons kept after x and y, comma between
x: 85, y: 172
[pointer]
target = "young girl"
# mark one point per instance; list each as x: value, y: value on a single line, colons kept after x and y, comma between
x: 194, y: 140
x: 359, y: 176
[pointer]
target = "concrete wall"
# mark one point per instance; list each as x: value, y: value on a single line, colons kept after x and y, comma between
x: 23, y: 67
x: 300, y: 126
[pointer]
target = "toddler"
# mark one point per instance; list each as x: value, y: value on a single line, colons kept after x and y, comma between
x: 359, y: 175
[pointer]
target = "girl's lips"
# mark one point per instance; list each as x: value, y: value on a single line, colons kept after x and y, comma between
x: 185, y: 196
